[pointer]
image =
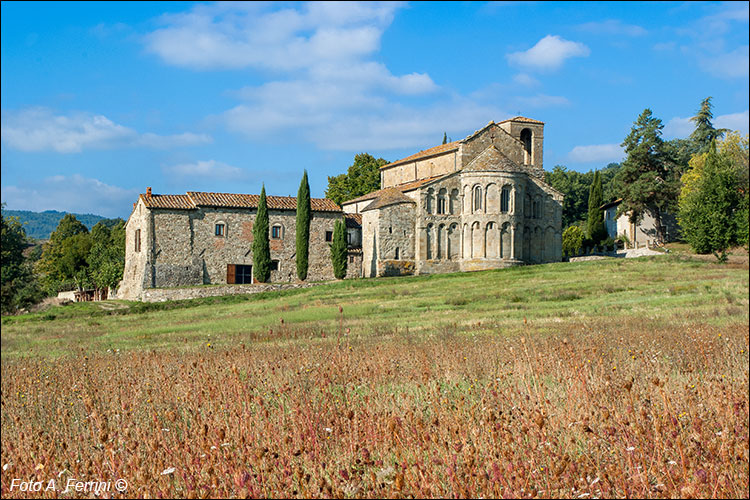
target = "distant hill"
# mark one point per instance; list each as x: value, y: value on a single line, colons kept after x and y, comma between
x: 39, y: 225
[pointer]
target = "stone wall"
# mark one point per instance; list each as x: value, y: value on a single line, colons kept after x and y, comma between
x: 166, y: 294
x: 137, y: 271
x: 425, y: 168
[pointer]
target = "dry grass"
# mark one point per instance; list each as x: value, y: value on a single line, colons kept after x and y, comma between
x: 589, y: 410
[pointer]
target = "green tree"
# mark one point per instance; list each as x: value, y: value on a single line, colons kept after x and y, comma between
x: 18, y: 285
x: 445, y: 138
x: 708, y: 212
x: 338, y: 250
x: 596, y: 229
x: 60, y: 268
x: 572, y: 241
x: 261, y: 245
x: 648, y: 179
x: 107, y: 256
x: 304, y: 214
x: 705, y: 133
x: 576, y: 186
x: 362, y: 177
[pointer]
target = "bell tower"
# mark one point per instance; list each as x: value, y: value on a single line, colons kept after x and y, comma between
x: 531, y: 134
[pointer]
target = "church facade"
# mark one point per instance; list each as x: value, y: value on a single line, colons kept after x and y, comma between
x: 477, y: 203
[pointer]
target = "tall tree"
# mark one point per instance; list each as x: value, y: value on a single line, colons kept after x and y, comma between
x: 704, y: 132
x: 597, y: 231
x: 107, y: 256
x: 261, y: 245
x: 18, y: 286
x: 445, y: 138
x: 338, y: 250
x: 63, y: 262
x: 304, y: 214
x: 362, y: 177
x: 648, y: 179
x: 708, y: 211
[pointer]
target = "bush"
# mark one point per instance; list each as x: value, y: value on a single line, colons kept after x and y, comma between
x: 572, y: 240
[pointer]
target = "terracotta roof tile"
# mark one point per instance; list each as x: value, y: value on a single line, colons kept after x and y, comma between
x: 406, y: 187
x: 388, y: 196
x: 443, y: 148
x: 522, y: 119
x: 195, y: 199
x: 353, y: 220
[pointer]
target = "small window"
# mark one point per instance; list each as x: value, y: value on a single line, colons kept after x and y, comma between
x: 137, y: 240
x: 441, y: 206
x: 396, y: 253
x: 274, y: 265
x: 390, y: 230
x: 351, y: 259
x: 505, y: 199
x: 329, y: 235
x: 348, y: 238
x: 477, y: 198
x: 276, y: 232
x: 220, y: 229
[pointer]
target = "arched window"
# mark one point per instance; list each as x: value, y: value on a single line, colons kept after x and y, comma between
x: 535, y: 210
x: 526, y: 140
x: 477, y: 198
x: 505, y: 199
x: 441, y: 202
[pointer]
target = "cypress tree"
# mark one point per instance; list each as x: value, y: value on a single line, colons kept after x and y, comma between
x: 595, y: 223
x: 445, y: 138
x: 338, y: 250
x: 261, y: 245
x: 303, y: 227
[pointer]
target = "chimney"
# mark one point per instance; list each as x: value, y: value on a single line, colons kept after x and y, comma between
x: 148, y: 192
x: 134, y: 206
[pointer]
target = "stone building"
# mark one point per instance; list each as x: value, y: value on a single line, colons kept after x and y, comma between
x: 641, y: 234
x: 201, y: 238
x: 477, y: 203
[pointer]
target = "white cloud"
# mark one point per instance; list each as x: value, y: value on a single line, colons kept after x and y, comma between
x: 596, y: 153
x: 549, y: 53
x: 734, y: 121
x: 526, y: 80
x: 732, y: 64
x: 613, y: 27
x: 39, y: 129
x: 681, y: 128
x: 73, y: 193
x: 211, y: 168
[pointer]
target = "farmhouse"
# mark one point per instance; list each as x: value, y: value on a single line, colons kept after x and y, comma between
x: 206, y: 238
x: 641, y: 234
x: 477, y: 203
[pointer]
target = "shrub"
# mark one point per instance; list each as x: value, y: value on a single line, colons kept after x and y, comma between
x: 572, y: 240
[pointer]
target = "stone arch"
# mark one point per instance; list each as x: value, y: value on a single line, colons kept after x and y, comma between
x: 440, y: 246
x: 477, y: 240
x: 492, y: 238
x: 526, y: 244
x: 453, y: 242
x: 442, y: 201
x: 536, y: 245
x: 476, y: 199
x: 505, y: 199
x: 527, y: 206
x: 453, y: 205
x: 467, y: 200
x: 429, y: 201
x: 527, y: 137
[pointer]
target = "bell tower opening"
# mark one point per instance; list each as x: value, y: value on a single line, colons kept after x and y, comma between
x: 526, y: 136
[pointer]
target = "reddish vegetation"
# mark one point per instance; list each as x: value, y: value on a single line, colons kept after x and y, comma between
x: 582, y: 414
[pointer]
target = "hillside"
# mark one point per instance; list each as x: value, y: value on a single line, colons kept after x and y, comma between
x: 39, y: 225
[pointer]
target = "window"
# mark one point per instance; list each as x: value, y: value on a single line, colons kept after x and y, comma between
x: 441, y: 206
x: 526, y: 140
x: 351, y: 259
x: 276, y: 232
x: 396, y: 253
x: 477, y: 198
x: 220, y: 229
x: 137, y: 240
x: 505, y: 199
x: 239, y: 274
x: 274, y: 265
x: 348, y: 238
x: 329, y: 235
x: 534, y: 210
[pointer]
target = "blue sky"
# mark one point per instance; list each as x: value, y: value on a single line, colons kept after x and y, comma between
x: 100, y: 100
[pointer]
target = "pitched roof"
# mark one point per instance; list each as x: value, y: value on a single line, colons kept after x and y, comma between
x: 194, y: 199
x: 522, y: 119
x: 499, y: 162
x: 388, y: 196
x: 406, y: 187
x: 611, y: 204
x: 434, y: 151
x: 353, y: 220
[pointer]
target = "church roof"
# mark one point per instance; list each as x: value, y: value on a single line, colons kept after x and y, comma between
x: 496, y: 159
x: 388, y: 196
x: 434, y: 151
x: 406, y: 187
x: 194, y: 199
x: 522, y: 119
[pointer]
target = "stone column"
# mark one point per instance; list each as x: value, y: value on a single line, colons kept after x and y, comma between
x: 512, y: 241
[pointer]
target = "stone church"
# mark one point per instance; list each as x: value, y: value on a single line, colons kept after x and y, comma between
x: 477, y: 203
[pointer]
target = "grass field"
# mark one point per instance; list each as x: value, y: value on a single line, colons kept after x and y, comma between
x: 595, y: 379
